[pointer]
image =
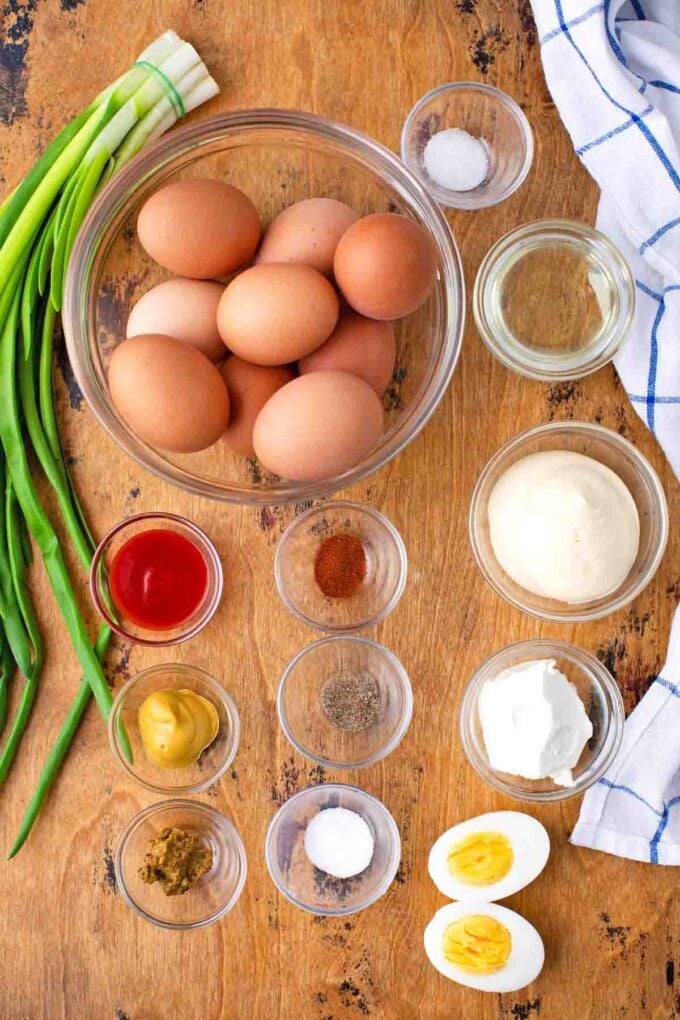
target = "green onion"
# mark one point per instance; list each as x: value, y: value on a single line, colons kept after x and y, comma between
x: 39, y: 221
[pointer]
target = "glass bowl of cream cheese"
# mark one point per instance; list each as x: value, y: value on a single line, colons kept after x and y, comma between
x: 568, y: 521
x: 541, y: 720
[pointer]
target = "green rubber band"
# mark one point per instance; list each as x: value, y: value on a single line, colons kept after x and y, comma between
x: 175, y: 97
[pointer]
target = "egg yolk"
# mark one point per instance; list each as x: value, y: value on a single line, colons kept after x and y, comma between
x: 481, y: 858
x: 477, y: 944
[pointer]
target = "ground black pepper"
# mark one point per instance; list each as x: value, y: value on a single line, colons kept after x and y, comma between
x: 351, y: 701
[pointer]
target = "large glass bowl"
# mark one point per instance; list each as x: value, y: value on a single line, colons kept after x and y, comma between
x: 277, y: 157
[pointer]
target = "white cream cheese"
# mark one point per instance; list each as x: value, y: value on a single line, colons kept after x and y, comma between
x: 564, y: 526
x: 534, y: 723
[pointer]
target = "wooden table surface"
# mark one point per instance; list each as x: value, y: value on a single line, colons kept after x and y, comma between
x: 69, y: 947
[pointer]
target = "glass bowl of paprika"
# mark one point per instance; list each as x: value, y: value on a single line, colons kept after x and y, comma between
x: 341, y: 567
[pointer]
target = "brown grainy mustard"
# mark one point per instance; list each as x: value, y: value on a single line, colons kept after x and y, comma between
x: 176, y: 858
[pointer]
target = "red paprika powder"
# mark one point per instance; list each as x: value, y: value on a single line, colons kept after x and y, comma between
x: 340, y: 566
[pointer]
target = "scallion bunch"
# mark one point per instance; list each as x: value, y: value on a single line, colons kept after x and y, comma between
x: 39, y: 222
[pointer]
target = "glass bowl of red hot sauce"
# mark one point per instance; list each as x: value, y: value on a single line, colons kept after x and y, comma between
x: 156, y: 579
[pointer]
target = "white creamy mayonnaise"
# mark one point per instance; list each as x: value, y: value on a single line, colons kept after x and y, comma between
x: 534, y: 723
x: 564, y: 526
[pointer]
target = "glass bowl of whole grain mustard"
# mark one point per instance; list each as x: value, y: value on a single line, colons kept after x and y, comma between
x: 345, y: 701
x: 341, y: 566
x: 180, y: 864
x: 182, y: 726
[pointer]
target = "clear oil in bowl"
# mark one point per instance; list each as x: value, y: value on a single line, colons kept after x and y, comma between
x: 554, y: 299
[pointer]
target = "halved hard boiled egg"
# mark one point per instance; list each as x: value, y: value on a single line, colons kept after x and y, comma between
x: 484, y: 946
x: 489, y: 857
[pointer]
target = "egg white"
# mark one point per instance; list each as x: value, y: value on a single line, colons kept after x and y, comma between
x: 530, y: 847
x: 526, y: 955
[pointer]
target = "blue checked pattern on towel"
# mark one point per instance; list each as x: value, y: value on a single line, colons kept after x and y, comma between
x: 613, y: 69
x: 634, y: 811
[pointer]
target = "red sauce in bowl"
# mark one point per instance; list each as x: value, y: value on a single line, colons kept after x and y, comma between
x: 158, y: 579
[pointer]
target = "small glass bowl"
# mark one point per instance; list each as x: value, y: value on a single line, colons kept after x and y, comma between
x: 301, y: 711
x: 484, y: 112
x: 386, y: 567
x: 214, y: 760
x: 101, y: 594
x: 213, y: 896
x: 554, y: 300
x: 304, y: 884
x: 602, y: 700
x: 627, y: 462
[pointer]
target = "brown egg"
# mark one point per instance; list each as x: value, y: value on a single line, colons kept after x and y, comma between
x: 385, y: 265
x: 364, y: 347
x: 168, y: 393
x: 307, y: 232
x: 250, y: 387
x: 277, y: 313
x: 183, y: 308
x: 202, y: 229
x: 317, y: 426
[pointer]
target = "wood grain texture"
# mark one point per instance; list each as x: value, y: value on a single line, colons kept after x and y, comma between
x: 69, y: 947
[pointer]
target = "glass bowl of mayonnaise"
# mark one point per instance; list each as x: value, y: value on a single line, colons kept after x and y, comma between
x: 568, y: 521
x: 541, y: 720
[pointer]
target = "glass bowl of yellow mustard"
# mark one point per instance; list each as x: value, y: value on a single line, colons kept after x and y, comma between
x: 181, y: 725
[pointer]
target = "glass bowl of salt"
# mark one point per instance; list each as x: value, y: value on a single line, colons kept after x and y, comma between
x: 470, y: 144
x: 333, y: 849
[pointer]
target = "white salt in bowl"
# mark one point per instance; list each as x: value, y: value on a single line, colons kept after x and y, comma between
x: 306, y: 885
x: 485, y: 113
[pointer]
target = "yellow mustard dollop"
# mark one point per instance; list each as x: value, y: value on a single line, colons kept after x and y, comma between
x: 478, y: 944
x: 481, y: 858
x: 175, y: 726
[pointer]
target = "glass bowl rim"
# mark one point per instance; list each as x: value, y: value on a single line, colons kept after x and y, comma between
x: 586, y: 661
x: 390, y: 872
x: 405, y: 717
x: 191, y: 805
x: 444, y: 195
x: 382, y: 520
x: 214, y: 565
x: 220, y: 693
x: 119, y: 192
x: 610, y: 604
x: 515, y: 240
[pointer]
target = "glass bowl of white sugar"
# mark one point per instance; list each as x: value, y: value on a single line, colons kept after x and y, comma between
x: 523, y: 738
x: 333, y: 849
x: 470, y: 144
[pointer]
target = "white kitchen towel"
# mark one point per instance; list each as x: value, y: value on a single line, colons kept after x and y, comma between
x: 613, y: 69
x: 634, y: 811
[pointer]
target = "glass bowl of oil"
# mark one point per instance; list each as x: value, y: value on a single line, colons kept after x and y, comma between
x: 554, y: 300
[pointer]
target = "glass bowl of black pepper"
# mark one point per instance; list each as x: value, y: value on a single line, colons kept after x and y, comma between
x: 345, y: 701
x: 341, y: 567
